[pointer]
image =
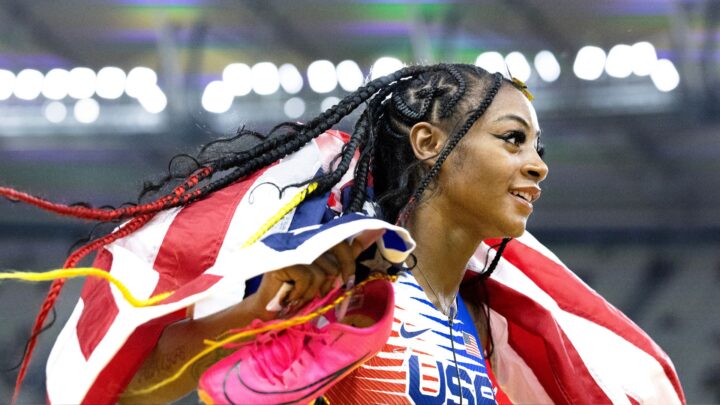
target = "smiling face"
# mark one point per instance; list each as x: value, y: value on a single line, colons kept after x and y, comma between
x: 490, y: 181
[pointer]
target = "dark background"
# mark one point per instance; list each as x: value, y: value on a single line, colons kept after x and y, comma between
x: 630, y: 203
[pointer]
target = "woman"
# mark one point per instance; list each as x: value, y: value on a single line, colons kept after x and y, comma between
x: 453, y: 154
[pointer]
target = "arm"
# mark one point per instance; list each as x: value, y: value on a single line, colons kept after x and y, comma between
x: 178, y: 343
x: 181, y: 341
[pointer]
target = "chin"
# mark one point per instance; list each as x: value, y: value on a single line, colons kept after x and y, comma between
x: 515, y: 230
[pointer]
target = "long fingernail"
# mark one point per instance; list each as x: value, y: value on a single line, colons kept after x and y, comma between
x: 274, y: 304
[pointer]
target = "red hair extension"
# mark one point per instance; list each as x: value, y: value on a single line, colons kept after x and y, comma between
x: 97, y: 214
x: 141, y: 213
x: 58, y: 284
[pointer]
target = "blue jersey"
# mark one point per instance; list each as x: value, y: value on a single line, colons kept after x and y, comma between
x: 417, y: 365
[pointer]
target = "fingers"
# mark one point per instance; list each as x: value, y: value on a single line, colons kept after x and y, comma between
x: 307, y: 280
x: 345, y: 255
x: 331, y: 270
x: 317, y: 278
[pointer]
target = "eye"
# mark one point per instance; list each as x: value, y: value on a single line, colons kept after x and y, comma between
x: 516, y: 138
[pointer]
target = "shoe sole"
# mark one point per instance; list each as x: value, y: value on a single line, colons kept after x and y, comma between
x: 207, y: 400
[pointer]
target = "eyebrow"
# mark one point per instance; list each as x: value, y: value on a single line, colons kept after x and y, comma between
x: 518, y: 119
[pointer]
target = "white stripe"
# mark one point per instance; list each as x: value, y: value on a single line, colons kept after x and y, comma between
x: 66, y: 365
x: 385, y: 380
x: 396, y: 394
x: 135, y: 273
x: 145, y: 243
x: 384, y: 368
x: 529, y: 240
x: 620, y: 367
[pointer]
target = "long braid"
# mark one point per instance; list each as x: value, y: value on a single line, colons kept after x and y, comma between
x: 105, y: 215
x: 493, y: 265
x: 362, y: 170
x: 312, y: 130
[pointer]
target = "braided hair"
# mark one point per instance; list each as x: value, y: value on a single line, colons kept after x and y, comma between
x: 452, y: 96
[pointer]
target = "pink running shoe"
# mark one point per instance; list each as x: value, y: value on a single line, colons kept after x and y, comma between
x: 299, y: 364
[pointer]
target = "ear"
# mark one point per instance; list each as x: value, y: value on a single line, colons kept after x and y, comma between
x: 427, y: 140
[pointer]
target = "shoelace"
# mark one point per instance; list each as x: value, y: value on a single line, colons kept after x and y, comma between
x: 274, y: 354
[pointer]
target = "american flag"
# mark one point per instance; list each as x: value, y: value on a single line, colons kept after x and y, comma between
x: 471, y: 346
x: 555, y: 339
x: 558, y: 341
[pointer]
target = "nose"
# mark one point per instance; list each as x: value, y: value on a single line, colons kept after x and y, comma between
x: 535, y: 168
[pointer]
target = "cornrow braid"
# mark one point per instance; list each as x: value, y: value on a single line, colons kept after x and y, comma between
x: 449, y: 146
x: 448, y: 108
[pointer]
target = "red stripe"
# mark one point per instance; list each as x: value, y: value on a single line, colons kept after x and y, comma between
x: 541, y: 342
x: 111, y: 382
x: 196, y: 234
x: 200, y: 284
x: 190, y: 246
x: 500, y: 397
x: 99, y: 308
x: 573, y: 296
x: 421, y: 352
x: 381, y: 374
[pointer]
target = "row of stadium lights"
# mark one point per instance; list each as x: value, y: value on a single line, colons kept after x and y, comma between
x: 590, y: 63
x: 82, y: 84
x: 323, y: 77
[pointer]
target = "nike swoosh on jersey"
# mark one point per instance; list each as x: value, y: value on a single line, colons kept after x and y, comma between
x: 409, y: 335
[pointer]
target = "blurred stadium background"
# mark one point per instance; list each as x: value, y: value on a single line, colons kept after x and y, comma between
x: 97, y: 95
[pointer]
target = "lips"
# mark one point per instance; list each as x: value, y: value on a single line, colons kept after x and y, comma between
x: 529, y: 194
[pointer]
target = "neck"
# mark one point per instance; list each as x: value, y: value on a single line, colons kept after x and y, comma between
x: 444, y: 247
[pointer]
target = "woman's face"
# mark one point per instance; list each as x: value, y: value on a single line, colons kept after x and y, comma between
x: 491, y: 179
